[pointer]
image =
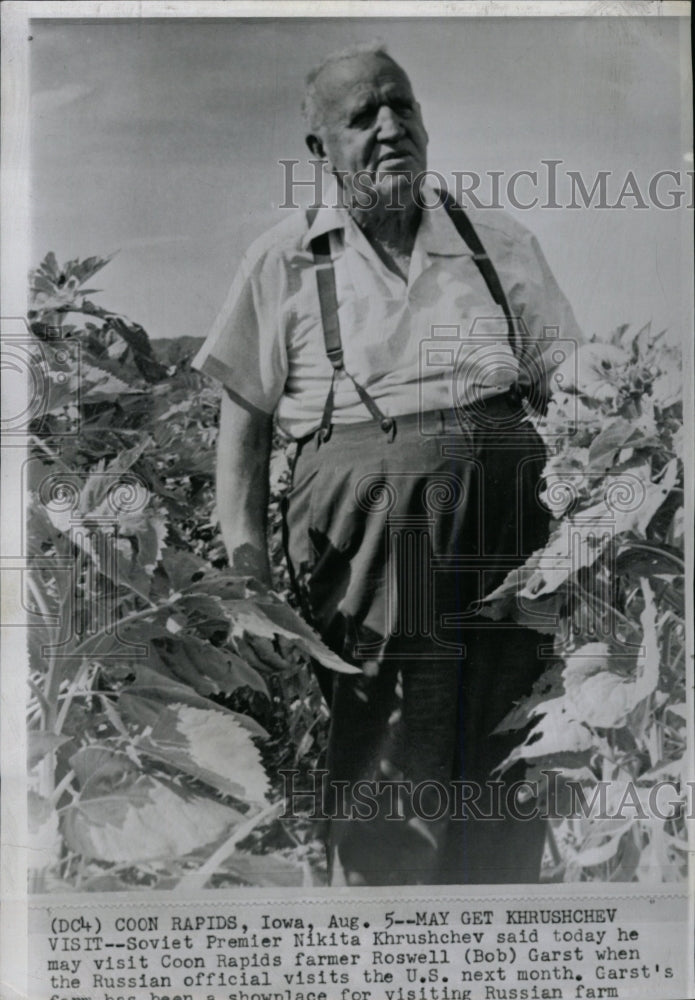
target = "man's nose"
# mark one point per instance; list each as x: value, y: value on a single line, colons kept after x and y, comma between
x: 389, y: 123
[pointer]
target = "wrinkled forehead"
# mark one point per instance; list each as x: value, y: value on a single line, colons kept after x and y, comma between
x: 344, y: 81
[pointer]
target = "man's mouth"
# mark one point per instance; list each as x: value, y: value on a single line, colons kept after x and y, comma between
x: 394, y: 156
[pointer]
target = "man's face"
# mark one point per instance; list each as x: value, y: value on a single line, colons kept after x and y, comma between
x: 371, y: 122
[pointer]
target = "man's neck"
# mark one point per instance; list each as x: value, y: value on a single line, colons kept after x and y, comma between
x: 393, y: 229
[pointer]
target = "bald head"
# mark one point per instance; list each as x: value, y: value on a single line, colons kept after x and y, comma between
x: 367, y: 125
x: 322, y: 80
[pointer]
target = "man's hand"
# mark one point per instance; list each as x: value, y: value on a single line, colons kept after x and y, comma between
x: 248, y: 560
x: 243, y: 461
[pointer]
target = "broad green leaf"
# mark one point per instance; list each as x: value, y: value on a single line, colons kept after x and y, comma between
x: 208, y: 669
x: 549, y: 685
x: 183, y: 569
x: 174, y: 352
x: 265, y: 869
x: 44, y: 834
x: 205, y: 743
x: 649, y: 659
x: 148, y: 528
x: 667, y: 388
x: 42, y: 286
x: 50, y: 265
x: 593, y: 853
x: 99, y: 770
x: 556, y: 731
x: 125, y: 460
x: 643, y: 558
x: 267, y: 619
x: 41, y: 743
x: 616, y: 336
x: 187, y: 572
x: 579, y: 540
x: 61, y: 394
x: 542, y: 614
x: 676, y: 770
x: 125, y: 569
x: 106, y: 883
x: 592, y: 369
x: 595, y: 694
x: 158, y: 690
x: 126, y: 641
x: 89, y: 267
x: 191, y: 461
x: 97, y: 385
x: 139, y: 343
x: 143, y: 821
x: 615, y: 442
x: 203, y: 610
x: 639, y: 341
x: 608, y: 442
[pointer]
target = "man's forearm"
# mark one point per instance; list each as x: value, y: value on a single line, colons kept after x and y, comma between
x: 243, y: 459
x: 244, y: 533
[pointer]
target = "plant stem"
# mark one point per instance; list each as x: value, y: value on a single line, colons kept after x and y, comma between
x: 196, y: 880
x: 70, y: 694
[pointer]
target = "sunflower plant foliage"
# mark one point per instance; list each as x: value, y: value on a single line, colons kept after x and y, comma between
x: 165, y: 689
x: 605, y: 727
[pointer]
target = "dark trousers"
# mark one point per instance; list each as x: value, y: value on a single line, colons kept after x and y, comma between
x: 392, y: 544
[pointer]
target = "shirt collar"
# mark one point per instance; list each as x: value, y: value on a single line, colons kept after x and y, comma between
x: 436, y: 235
x: 329, y: 215
x: 327, y: 218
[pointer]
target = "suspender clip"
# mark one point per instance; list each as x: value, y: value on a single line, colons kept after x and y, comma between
x: 323, y: 434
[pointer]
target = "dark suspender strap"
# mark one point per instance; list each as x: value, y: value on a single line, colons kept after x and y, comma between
x: 327, y: 418
x: 465, y: 229
x: 369, y: 402
x: 328, y: 299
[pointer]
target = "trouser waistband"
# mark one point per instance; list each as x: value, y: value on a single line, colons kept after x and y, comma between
x: 492, y: 413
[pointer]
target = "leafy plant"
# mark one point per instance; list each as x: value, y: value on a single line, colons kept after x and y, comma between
x: 160, y: 680
x: 167, y: 691
x: 608, y: 717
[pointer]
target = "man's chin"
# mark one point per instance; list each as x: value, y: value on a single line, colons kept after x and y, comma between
x: 392, y: 187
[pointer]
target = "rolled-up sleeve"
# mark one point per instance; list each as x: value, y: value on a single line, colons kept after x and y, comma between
x: 245, y: 348
x: 549, y: 331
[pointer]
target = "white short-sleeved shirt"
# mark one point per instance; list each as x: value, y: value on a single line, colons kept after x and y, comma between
x: 429, y: 343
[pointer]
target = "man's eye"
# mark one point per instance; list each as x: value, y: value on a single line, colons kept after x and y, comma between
x: 362, y: 119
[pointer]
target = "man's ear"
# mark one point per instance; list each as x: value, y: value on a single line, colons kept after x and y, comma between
x: 315, y: 146
x: 419, y: 111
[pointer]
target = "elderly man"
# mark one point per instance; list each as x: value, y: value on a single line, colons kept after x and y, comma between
x: 393, y: 336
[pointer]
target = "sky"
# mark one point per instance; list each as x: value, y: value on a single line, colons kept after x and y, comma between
x: 162, y: 139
